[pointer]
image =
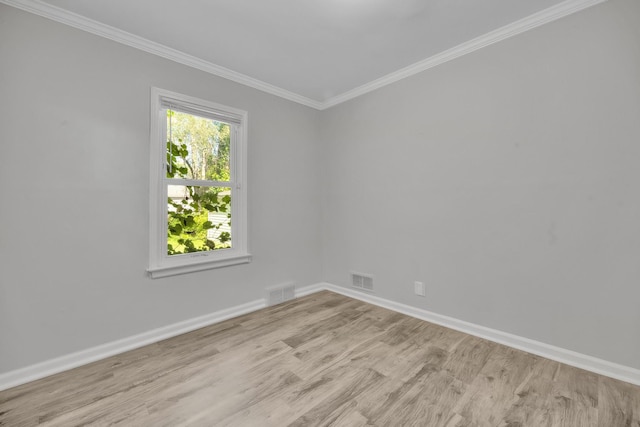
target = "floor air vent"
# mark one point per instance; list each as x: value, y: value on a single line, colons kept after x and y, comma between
x: 362, y: 281
x: 280, y: 293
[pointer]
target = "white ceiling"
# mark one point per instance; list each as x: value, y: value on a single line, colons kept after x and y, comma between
x: 316, y: 50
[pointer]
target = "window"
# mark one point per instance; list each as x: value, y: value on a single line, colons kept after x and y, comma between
x: 198, y: 203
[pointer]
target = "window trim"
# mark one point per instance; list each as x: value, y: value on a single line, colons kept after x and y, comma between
x: 161, y: 264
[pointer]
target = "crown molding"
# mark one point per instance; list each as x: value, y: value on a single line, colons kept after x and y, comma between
x: 45, y: 10
x: 532, y: 21
x: 91, y: 26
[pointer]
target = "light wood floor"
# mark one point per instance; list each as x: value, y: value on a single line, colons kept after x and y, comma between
x: 324, y: 360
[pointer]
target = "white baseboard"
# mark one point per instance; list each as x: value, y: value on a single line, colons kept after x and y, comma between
x: 73, y: 360
x: 312, y: 289
x: 569, y: 357
x: 83, y: 357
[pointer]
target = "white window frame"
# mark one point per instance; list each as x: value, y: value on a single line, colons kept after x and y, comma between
x: 160, y: 263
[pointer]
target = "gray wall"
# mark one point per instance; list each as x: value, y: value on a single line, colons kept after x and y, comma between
x: 74, y: 178
x: 507, y: 180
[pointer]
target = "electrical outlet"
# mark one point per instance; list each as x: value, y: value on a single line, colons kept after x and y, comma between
x: 419, y: 288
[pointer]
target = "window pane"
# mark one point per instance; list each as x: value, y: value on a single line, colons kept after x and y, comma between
x: 197, y: 147
x: 199, y: 219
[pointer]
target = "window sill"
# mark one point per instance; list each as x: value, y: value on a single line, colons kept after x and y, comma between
x: 200, y: 265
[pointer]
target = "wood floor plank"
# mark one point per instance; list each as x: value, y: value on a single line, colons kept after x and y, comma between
x: 467, y: 357
x: 418, y: 401
x: 338, y: 345
x: 336, y: 406
x: 530, y: 406
x: 323, y: 360
x: 618, y: 403
x: 272, y: 412
x: 573, y: 399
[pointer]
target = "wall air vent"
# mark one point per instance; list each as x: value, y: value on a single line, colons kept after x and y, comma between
x: 280, y: 293
x: 362, y: 281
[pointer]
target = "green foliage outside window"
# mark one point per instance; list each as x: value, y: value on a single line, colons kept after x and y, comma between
x: 198, y: 148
